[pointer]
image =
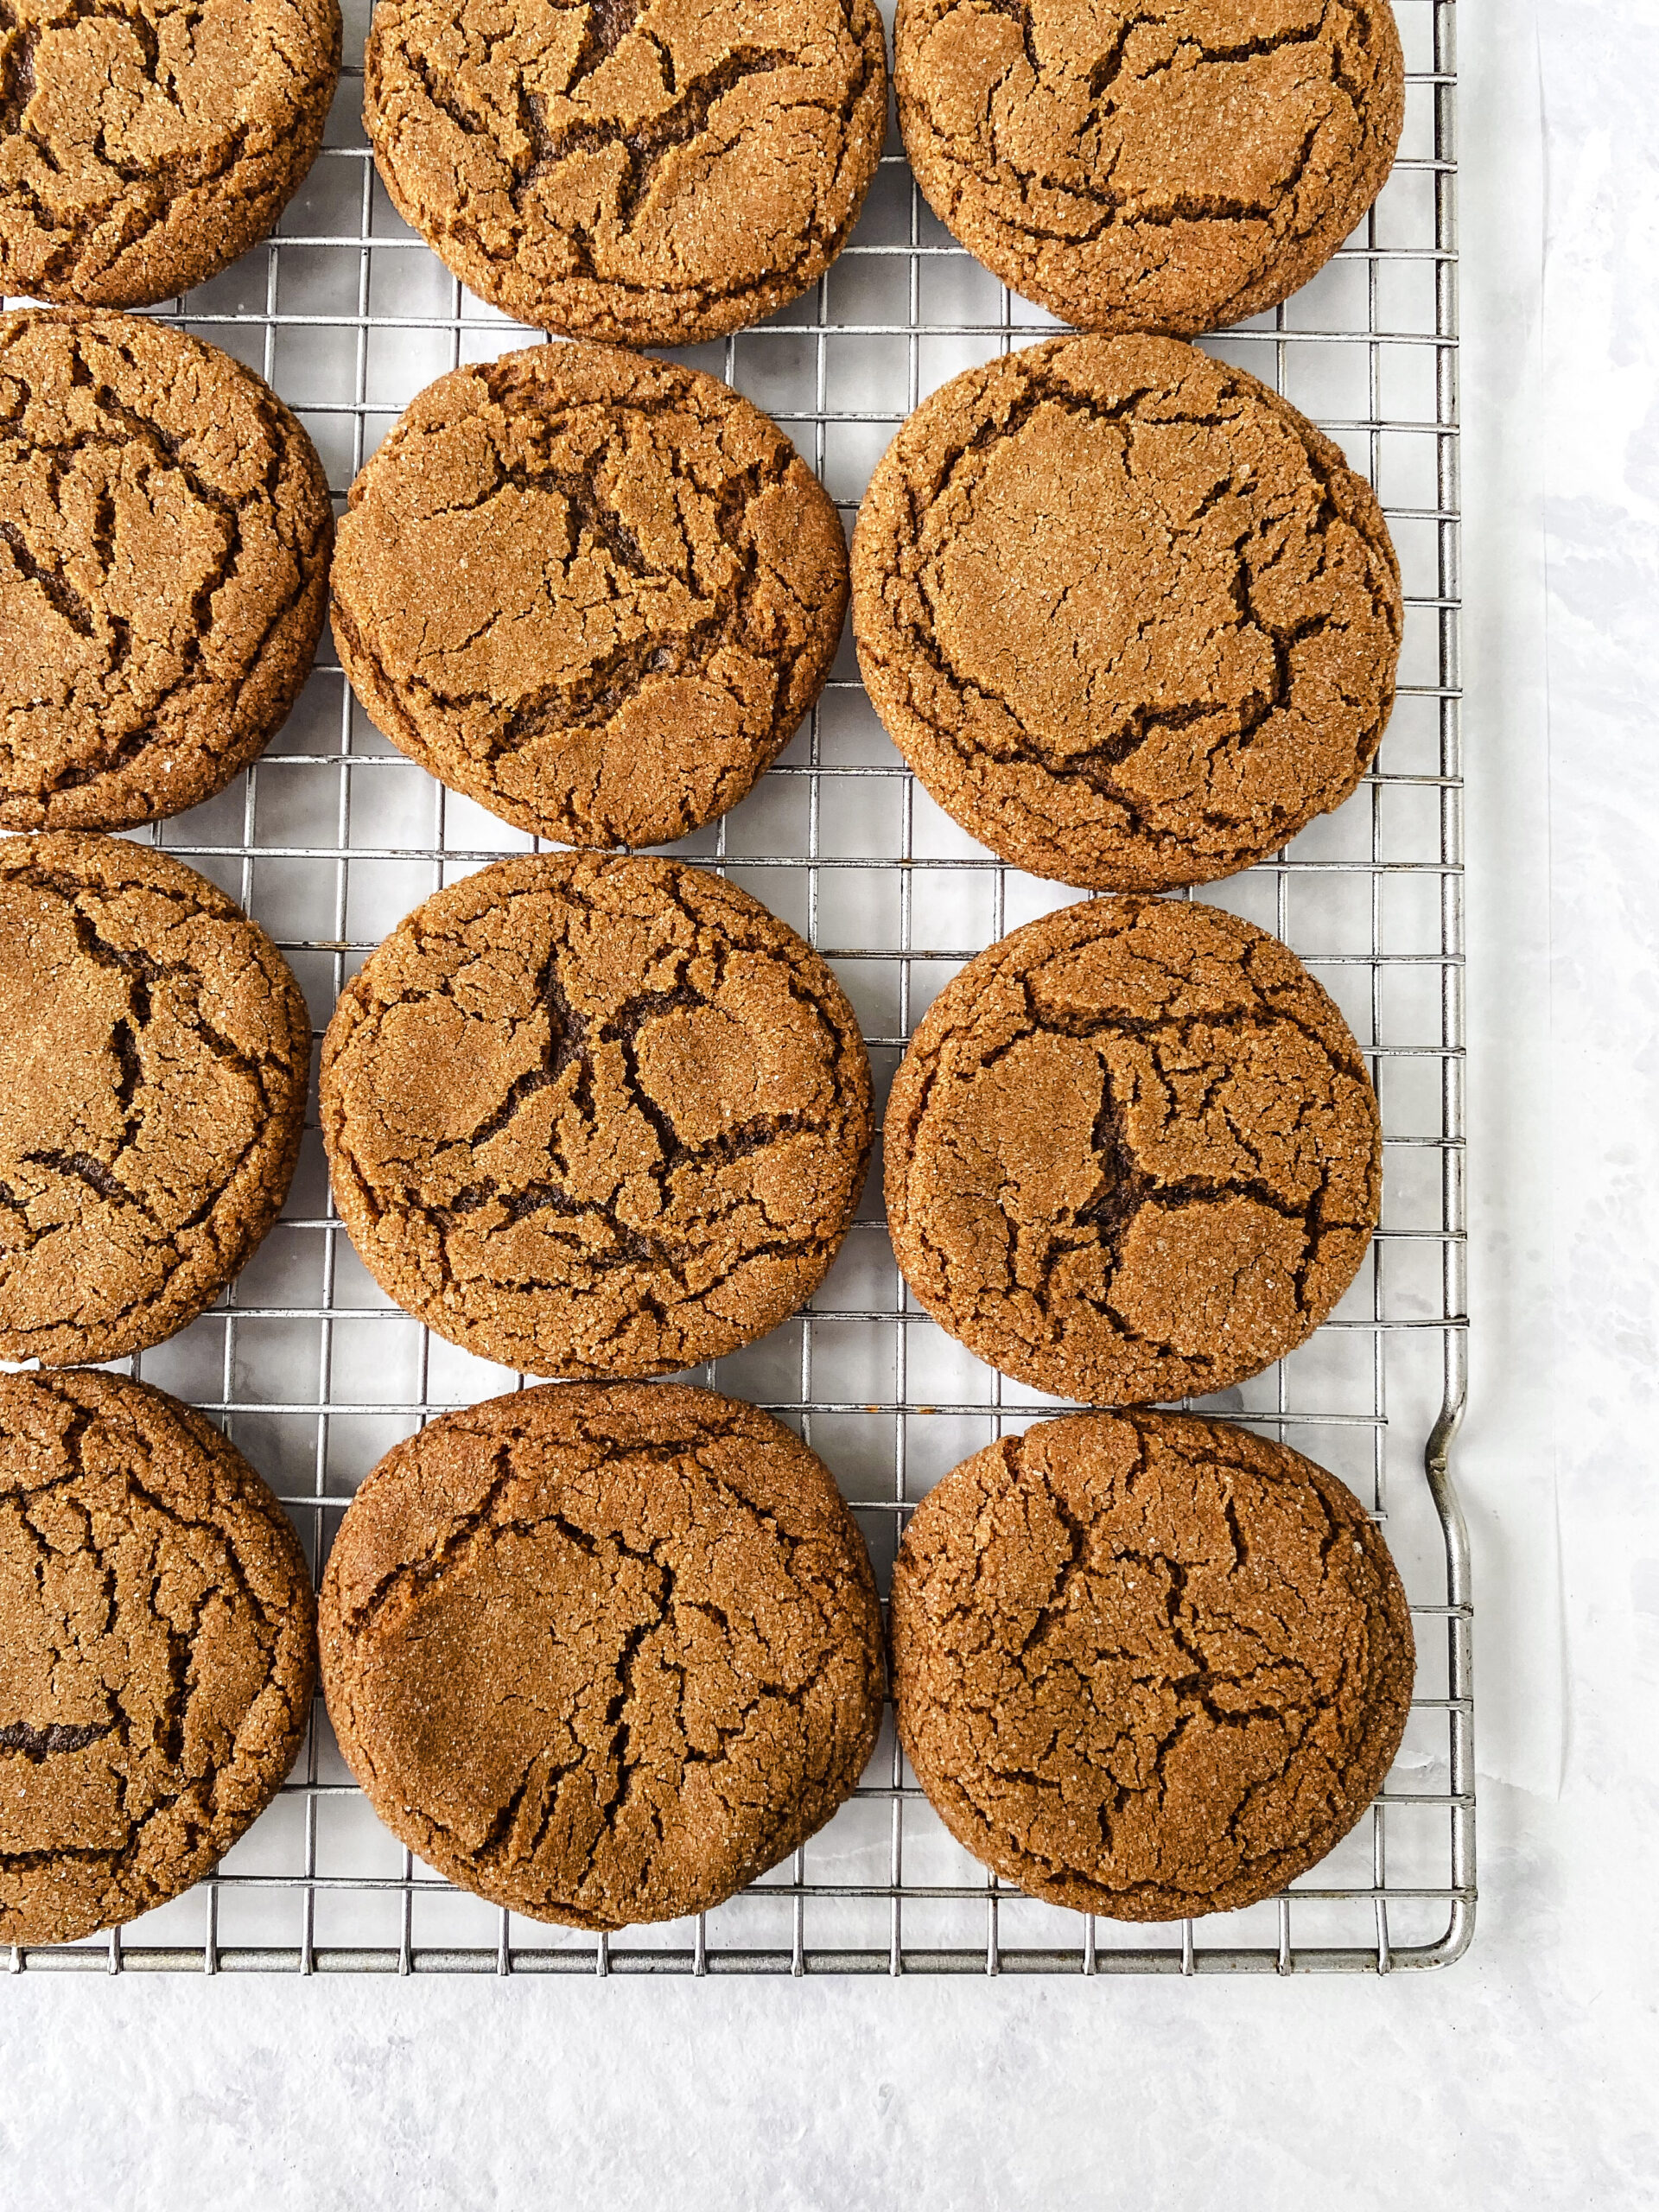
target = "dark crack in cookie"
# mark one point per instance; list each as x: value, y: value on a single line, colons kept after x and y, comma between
x: 1148, y: 1666
x: 596, y: 594
x: 603, y: 1654
x: 638, y: 170
x: 594, y: 1118
x: 1155, y: 164
x: 1133, y: 1153
x: 157, y: 1651
x: 153, y: 1050
x: 1133, y: 621
x: 165, y: 531
x: 145, y: 143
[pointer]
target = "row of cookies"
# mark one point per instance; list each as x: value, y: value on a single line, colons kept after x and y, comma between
x: 594, y: 1118
x: 1130, y: 617
x: 604, y: 1654
x: 652, y: 173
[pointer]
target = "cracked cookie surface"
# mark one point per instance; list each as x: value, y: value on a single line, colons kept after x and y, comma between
x: 1148, y: 1666
x: 653, y: 172
x: 596, y: 594
x: 145, y: 143
x: 153, y: 1050
x: 596, y: 1117
x: 165, y: 531
x: 157, y: 1651
x: 1152, y: 164
x: 1130, y: 617
x: 603, y: 1654
x: 1133, y: 1153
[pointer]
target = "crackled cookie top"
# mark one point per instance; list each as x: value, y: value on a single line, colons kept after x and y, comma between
x: 1148, y: 1666
x: 649, y: 171
x: 164, y: 537
x: 145, y: 143
x: 595, y: 1117
x: 157, y: 1651
x: 1131, y: 619
x: 154, y: 1050
x: 1152, y: 164
x: 597, y: 593
x: 1133, y: 1153
x: 602, y: 1654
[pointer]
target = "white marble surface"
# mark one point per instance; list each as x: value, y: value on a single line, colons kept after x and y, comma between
x: 1524, y: 2077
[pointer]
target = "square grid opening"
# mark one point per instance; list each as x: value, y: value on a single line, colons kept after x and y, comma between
x: 332, y: 836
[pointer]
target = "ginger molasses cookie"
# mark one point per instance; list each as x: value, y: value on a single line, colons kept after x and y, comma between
x: 597, y: 593
x: 1130, y: 617
x: 157, y: 1651
x: 164, y: 539
x: 143, y: 147
x: 1154, y: 165
x: 154, y: 1050
x: 1148, y: 1666
x: 602, y: 1654
x: 595, y: 1117
x: 634, y: 170
x: 1133, y: 1153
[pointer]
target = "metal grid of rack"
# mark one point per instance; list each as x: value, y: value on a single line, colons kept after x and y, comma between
x: 332, y: 836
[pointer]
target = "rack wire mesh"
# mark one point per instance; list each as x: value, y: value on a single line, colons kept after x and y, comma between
x: 332, y: 836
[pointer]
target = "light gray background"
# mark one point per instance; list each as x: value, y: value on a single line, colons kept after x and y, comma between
x: 1529, y: 2076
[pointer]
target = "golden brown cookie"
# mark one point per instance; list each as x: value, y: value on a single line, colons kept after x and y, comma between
x: 1130, y: 617
x: 1154, y: 164
x: 144, y: 146
x: 592, y: 1117
x: 597, y: 593
x: 636, y: 170
x: 157, y: 1651
x: 1148, y: 1666
x: 603, y: 1654
x: 153, y: 1050
x: 1133, y: 1153
x: 165, y: 531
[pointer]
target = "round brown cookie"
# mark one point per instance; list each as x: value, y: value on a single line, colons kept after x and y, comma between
x: 592, y: 1117
x: 144, y: 145
x: 165, y: 531
x: 154, y: 1050
x: 1133, y: 1153
x: 1130, y: 618
x: 597, y: 593
x: 602, y: 1654
x: 157, y: 1651
x: 1148, y: 1666
x: 638, y: 171
x: 1154, y: 164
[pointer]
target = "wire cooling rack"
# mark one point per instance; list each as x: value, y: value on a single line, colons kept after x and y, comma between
x: 332, y: 836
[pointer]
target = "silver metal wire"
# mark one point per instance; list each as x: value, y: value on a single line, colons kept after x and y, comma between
x: 332, y: 836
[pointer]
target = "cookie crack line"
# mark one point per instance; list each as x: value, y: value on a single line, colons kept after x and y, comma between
x: 647, y: 143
